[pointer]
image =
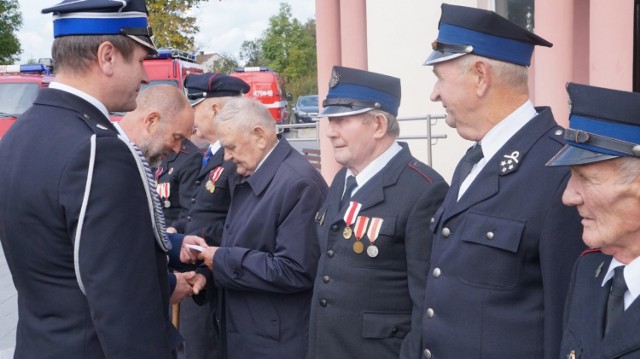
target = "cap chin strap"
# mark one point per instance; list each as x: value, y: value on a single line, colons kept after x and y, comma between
x: 587, y: 138
x: 348, y: 102
x: 454, y: 48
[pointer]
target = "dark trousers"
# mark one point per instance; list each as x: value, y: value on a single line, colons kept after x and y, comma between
x: 198, y: 328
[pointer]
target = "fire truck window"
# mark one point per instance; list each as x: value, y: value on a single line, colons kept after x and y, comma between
x: 15, y: 98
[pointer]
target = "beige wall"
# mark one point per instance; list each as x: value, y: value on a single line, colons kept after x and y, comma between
x: 400, y: 34
x: 592, y: 44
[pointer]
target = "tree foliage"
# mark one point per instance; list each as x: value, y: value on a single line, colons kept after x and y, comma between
x: 10, y: 22
x: 289, y: 47
x: 171, y: 25
x: 226, y: 64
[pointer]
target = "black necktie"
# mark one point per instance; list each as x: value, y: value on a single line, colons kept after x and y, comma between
x: 473, y: 155
x: 615, y: 304
x: 346, y: 196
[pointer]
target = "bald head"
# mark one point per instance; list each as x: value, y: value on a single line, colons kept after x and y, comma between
x: 162, y: 119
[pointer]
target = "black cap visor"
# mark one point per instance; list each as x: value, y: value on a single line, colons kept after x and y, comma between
x: 572, y: 155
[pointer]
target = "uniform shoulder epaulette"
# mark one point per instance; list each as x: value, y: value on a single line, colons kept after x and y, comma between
x: 594, y: 250
x: 420, y: 168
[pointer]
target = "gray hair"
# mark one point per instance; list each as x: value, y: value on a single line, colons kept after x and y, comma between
x: 512, y: 75
x: 245, y: 112
x: 75, y: 54
x: 629, y: 169
x: 393, y: 128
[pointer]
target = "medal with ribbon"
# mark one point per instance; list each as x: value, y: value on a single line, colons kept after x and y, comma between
x: 360, y: 229
x: 213, y: 177
x: 374, y: 230
x: 164, y: 191
x: 350, y: 217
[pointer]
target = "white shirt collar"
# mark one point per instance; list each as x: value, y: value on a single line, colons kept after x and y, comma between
x: 214, y: 147
x: 374, y: 167
x: 85, y: 96
x: 631, y: 277
x: 497, y: 137
x: 121, y: 131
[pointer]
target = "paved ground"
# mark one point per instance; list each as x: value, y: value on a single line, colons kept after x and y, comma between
x: 8, y: 310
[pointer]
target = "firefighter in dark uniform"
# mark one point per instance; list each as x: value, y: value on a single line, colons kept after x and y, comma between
x: 375, y: 245
x: 602, y: 311
x: 90, y: 272
x: 503, y: 241
x: 208, y: 204
x: 176, y: 178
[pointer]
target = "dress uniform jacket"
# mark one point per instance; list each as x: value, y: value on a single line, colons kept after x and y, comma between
x: 502, y: 255
x: 584, y: 317
x: 209, y: 206
x: 268, y: 259
x: 177, y: 175
x: 45, y: 159
x: 205, y: 218
x: 367, y: 307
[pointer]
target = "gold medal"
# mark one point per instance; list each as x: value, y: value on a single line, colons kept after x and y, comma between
x: 210, y: 186
x: 358, y: 247
x: 347, y: 232
x: 372, y: 251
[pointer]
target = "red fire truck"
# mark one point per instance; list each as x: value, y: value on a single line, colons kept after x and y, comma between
x: 19, y: 85
x: 267, y: 86
x: 170, y: 67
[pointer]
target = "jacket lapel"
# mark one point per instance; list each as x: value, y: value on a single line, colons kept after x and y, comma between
x: 623, y: 337
x: 487, y: 183
x: 215, y: 161
x: 372, y: 193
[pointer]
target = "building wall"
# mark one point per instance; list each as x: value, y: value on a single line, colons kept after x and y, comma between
x: 593, y: 43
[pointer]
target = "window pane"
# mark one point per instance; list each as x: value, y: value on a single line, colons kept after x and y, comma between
x: 519, y: 11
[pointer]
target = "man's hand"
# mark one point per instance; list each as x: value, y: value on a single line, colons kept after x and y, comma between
x: 207, y: 256
x: 171, y: 230
x: 197, y: 283
x: 189, y: 255
x: 183, y: 288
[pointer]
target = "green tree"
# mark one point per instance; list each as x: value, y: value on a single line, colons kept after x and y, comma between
x: 226, y: 64
x: 10, y: 22
x: 251, y: 52
x: 171, y: 25
x: 289, y: 47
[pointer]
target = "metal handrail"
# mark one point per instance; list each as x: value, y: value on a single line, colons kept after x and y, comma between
x: 431, y: 121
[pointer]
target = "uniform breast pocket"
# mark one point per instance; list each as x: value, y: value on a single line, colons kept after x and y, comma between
x: 490, y: 256
x: 383, y: 234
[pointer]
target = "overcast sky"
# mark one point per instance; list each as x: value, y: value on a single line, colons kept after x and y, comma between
x: 224, y: 24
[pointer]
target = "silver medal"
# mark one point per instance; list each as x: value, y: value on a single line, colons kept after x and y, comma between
x: 372, y: 251
x: 167, y: 204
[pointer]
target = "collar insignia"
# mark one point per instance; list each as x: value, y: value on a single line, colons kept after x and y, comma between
x: 509, y: 163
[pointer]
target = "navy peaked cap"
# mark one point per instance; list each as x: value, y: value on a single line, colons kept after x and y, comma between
x: 103, y: 17
x: 353, y: 91
x: 603, y: 124
x: 466, y: 30
x: 201, y: 86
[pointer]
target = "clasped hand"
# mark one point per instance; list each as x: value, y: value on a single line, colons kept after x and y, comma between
x: 190, y: 255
